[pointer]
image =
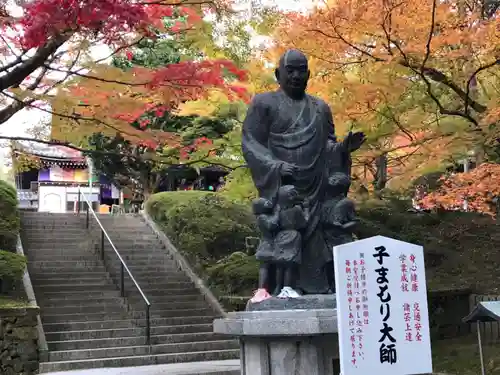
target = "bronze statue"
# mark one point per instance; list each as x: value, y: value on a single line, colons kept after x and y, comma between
x: 290, y: 147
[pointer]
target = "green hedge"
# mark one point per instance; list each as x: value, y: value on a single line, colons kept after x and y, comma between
x: 237, y: 274
x: 12, y: 266
x: 461, y: 249
x: 204, y: 226
x: 9, y: 217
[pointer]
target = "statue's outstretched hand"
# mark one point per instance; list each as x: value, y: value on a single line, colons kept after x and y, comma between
x: 354, y: 141
x: 287, y: 170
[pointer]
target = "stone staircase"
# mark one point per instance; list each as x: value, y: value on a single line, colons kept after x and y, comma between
x: 86, y: 321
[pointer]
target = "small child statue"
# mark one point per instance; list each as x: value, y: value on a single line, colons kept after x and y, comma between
x: 338, y: 218
x: 338, y: 210
x: 288, y: 241
x: 267, y: 222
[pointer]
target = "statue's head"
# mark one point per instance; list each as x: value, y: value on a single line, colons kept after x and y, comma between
x: 262, y: 206
x: 293, y: 73
x: 288, y: 196
x: 338, y: 184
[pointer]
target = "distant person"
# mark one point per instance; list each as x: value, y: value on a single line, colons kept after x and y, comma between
x: 221, y: 183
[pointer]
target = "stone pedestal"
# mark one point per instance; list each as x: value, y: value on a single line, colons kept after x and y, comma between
x: 284, y: 342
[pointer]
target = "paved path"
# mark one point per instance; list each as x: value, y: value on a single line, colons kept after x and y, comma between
x: 194, y: 368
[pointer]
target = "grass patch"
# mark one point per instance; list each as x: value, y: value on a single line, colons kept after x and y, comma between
x: 460, y: 356
x: 12, y: 303
x: 461, y: 248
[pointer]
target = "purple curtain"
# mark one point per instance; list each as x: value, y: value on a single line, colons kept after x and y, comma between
x: 44, y: 175
x: 106, y: 192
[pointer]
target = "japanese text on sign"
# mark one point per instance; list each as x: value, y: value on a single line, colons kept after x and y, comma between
x: 381, y: 295
x: 388, y: 351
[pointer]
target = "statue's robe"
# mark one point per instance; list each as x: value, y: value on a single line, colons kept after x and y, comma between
x: 280, y: 130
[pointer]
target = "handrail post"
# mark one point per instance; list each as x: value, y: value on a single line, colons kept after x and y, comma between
x: 148, y: 325
x: 79, y: 200
x: 88, y: 217
x: 122, y: 280
x: 102, y: 244
x: 123, y: 266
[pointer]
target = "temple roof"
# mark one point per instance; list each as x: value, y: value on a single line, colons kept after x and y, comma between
x: 51, y: 153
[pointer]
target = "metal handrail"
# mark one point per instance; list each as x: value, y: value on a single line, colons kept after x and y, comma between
x: 123, y: 265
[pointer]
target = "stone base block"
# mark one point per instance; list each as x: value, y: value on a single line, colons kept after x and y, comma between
x: 307, y: 302
x: 286, y: 342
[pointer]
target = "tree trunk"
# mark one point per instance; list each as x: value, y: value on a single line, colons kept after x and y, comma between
x: 381, y: 172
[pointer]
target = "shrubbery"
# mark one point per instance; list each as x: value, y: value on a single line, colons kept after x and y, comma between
x: 461, y: 249
x: 204, y: 226
x: 9, y: 217
x: 236, y: 274
x: 12, y: 265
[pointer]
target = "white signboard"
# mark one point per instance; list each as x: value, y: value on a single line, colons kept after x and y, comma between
x: 382, y: 308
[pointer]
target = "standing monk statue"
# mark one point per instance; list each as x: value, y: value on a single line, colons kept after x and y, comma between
x: 288, y: 138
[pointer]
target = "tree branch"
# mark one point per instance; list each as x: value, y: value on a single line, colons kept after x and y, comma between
x: 429, y: 39
x: 91, y: 152
x: 19, y: 74
x: 473, y: 76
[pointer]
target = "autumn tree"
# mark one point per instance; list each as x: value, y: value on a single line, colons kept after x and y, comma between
x: 142, y: 168
x: 143, y: 165
x: 477, y: 190
x: 54, y: 41
x: 421, y: 77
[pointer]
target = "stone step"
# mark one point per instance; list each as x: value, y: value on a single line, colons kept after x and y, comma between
x: 151, y: 268
x: 159, y: 323
x: 75, y: 224
x: 151, y: 258
x: 142, y: 261
x: 89, y: 302
x: 129, y: 331
x: 167, y: 299
x: 65, y: 264
x: 171, y: 313
x: 81, y: 294
x: 55, y: 254
x: 69, y: 288
x: 40, y: 257
x: 58, y: 241
x: 82, y: 309
x: 142, y: 350
x: 167, y: 292
x: 89, y: 325
x: 161, y: 284
x: 138, y: 339
x: 67, y: 318
x: 136, y: 253
x: 148, y: 274
x: 212, y: 355
x: 138, y: 246
x: 162, y: 306
x: 94, y: 232
x: 75, y: 279
x: 159, y: 278
x: 67, y: 272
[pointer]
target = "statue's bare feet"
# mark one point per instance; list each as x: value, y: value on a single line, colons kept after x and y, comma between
x: 288, y: 292
x: 260, y: 295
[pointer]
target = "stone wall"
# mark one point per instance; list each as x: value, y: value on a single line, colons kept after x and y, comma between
x: 447, y: 308
x: 18, y: 341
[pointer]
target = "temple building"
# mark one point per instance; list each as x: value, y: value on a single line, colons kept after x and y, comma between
x: 49, y: 177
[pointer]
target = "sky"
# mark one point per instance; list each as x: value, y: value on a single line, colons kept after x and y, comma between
x: 22, y: 121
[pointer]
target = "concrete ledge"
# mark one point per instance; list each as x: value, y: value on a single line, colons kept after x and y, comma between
x: 284, y: 323
x: 19, y: 311
x: 307, y: 302
x: 230, y: 367
x: 30, y: 294
x: 184, y: 265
